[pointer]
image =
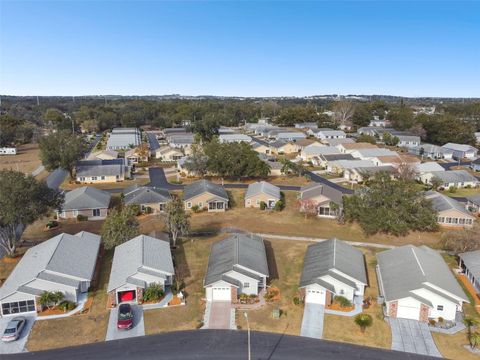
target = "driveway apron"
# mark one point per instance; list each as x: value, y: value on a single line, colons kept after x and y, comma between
x: 220, y: 315
x: 19, y: 345
x: 138, y: 325
x: 312, y: 322
x: 412, y: 336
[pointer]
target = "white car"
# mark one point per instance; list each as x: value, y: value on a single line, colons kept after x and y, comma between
x: 14, y: 329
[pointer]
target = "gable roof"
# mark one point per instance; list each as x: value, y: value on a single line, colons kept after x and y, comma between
x: 100, y: 167
x: 442, y: 202
x: 201, y: 186
x: 407, y: 268
x: 86, y: 197
x: 245, y: 250
x: 320, y: 150
x: 316, y: 189
x: 428, y: 167
x: 323, y: 257
x: 262, y: 187
x: 453, y: 176
x: 145, y: 195
x: 71, y: 255
x: 358, y: 146
x: 143, y: 254
x: 474, y: 199
x: 471, y: 259
x: 459, y: 147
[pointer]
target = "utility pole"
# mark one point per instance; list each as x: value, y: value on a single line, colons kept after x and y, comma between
x: 248, y: 334
x: 38, y: 101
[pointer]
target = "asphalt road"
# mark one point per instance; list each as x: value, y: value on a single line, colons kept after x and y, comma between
x: 217, y: 344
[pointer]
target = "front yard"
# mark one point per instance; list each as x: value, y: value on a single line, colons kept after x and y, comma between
x: 70, y: 185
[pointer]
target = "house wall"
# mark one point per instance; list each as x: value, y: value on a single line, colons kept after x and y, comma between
x: 252, y: 289
x: 454, y: 218
x: 202, y: 202
x: 254, y: 201
x: 360, y: 290
x: 107, y: 179
x: 69, y: 291
x: 340, y: 288
x: 449, y: 308
x: 72, y: 214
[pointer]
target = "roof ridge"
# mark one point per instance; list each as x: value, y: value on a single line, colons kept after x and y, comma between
x: 418, y: 262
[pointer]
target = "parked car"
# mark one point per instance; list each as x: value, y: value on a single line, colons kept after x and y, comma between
x: 14, y: 329
x: 125, y: 317
x: 52, y: 224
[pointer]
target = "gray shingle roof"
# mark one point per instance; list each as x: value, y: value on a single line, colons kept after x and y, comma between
x: 471, y: 259
x: 202, y: 186
x: 145, y: 195
x: 407, y: 268
x: 73, y: 255
x: 86, y: 197
x: 100, y: 167
x: 474, y: 199
x: 239, y: 249
x: 459, y: 147
x: 442, y: 202
x: 331, y: 254
x: 454, y: 176
x: 316, y: 189
x: 262, y: 187
x: 136, y: 254
x: 336, y: 157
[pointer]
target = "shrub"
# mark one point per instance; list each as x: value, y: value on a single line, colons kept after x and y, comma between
x: 278, y: 206
x: 432, y: 322
x: 363, y: 320
x: 153, y: 293
x: 67, y: 305
x: 148, y: 210
x: 136, y: 209
x: 196, y: 208
x: 263, y: 205
x: 452, y: 189
x: 81, y: 217
x: 342, y: 301
x: 441, y: 319
x: 296, y: 300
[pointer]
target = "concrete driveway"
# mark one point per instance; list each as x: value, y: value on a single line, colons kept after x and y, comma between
x: 312, y: 322
x: 220, y: 315
x: 412, y: 336
x: 19, y: 345
x: 138, y: 325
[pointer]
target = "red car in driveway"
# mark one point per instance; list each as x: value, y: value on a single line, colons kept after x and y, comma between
x: 125, y: 317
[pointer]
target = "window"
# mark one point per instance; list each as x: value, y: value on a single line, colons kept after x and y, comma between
x: 102, y: 178
x: 246, y: 285
x: 161, y: 207
x: 469, y: 221
x: 189, y: 205
x: 440, y: 307
x: 249, y: 202
x: 461, y: 221
x: 75, y: 213
x: 200, y: 205
x: 94, y: 178
x: 258, y: 202
x: 342, y: 292
x: 96, y: 212
x: 82, y: 178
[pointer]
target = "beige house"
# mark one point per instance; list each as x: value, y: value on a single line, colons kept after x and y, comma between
x: 349, y: 148
x: 149, y: 199
x: 104, y: 155
x: 261, y: 147
x: 86, y: 201
x: 263, y: 191
x: 327, y: 201
x: 450, y: 213
x: 205, y: 195
x: 283, y: 147
x: 134, y: 156
x: 167, y: 153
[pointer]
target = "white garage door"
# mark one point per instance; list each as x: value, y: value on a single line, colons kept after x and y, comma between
x: 315, y: 296
x: 221, y: 294
x: 408, y: 312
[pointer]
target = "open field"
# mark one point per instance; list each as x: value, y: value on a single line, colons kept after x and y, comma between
x: 37, y: 232
x: 76, y: 329
x: 26, y: 160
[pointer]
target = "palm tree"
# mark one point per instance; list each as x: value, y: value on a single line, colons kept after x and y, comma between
x: 474, y: 339
x: 363, y: 320
x: 46, y: 299
x: 469, y: 323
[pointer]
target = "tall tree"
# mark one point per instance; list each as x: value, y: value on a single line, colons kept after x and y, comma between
x: 22, y: 201
x: 207, y: 128
x: 120, y: 226
x: 176, y: 220
x: 61, y: 150
x: 197, y: 162
x: 343, y: 112
x: 466, y: 239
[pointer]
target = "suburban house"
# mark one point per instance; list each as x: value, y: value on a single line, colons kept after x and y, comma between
x: 416, y: 283
x: 461, y: 151
x: 327, y: 200
x: 287, y: 135
x: 237, y: 265
x: 181, y: 141
x: 306, y: 125
x: 303, y: 143
x: 150, y: 199
x: 340, y: 166
x: 408, y: 141
x: 174, y: 131
x: 283, y: 147
x: 205, y: 195
x: 370, y: 154
x: 167, y: 153
x: 101, y: 171
x: 333, y: 268
x: 473, y: 203
x: 335, y: 142
x: 330, y: 134
x: 64, y: 263
x: 325, y: 159
x: 134, y: 156
x: 262, y: 191
x: 85, y: 201
x: 450, y: 212
x: 228, y: 138
x: 475, y: 165
x: 225, y: 130
x: 430, y: 151
x: 450, y: 178
x: 123, y: 139
x: 104, y: 155
x: 348, y: 148
x: 396, y: 160
x: 260, y: 146
x: 137, y: 264
x: 363, y: 173
x: 314, y: 151
x: 469, y: 262
x: 427, y: 167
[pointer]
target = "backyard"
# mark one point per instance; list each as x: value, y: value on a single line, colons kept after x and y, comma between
x: 26, y: 160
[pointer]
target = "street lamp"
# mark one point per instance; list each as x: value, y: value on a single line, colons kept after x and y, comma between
x: 248, y: 332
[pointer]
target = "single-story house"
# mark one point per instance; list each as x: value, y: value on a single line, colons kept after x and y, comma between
x: 416, y: 283
x: 133, y: 156
x: 330, y: 134
x: 137, y: 264
x: 147, y: 197
x: 275, y: 166
x: 335, y: 142
x: 101, y: 171
x: 325, y: 159
x: 348, y: 148
x: 167, y: 153
x: 450, y: 212
x: 260, y: 146
x: 322, y: 196
x: 461, y: 151
x: 237, y: 265
x: 340, y: 166
x: 369, y: 154
x: 408, y: 141
x: 430, y: 151
x: 450, y: 178
x: 475, y: 165
x: 228, y: 138
x: 123, y: 139
x: 427, y: 167
x: 205, y: 195
x: 333, y: 268
x: 283, y: 147
x: 303, y: 143
x: 473, y: 203
x: 311, y: 151
x: 287, y: 135
x: 104, y: 155
x: 64, y: 263
x: 469, y: 262
x: 262, y: 191
x: 181, y: 141
x: 361, y: 174
x: 86, y: 201
x: 306, y: 125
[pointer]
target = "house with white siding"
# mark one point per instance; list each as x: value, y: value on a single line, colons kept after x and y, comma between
x: 461, y: 151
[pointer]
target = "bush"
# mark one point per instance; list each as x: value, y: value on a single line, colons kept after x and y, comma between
x: 196, y: 208
x: 342, y: 301
x: 296, y: 300
x: 67, y: 305
x: 148, y: 210
x: 278, y: 205
x: 363, y: 321
x: 452, y: 189
x: 136, y: 209
x: 153, y: 293
x: 441, y: 319
x: 263, y: 205
x: 81, y: 217
x: 432, y: 322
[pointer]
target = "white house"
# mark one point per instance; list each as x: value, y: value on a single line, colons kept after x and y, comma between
x: 430, y: 151
x: 333, y: 268
x: 65, y: 263
x: 416, y: 283
x: 237, y: 265
x: 408, y: 141
x: 8, y: 151
x: 461, y: 151
x: 228, y: 138
x: 450, y: 178
x: 323, y: 134
x: 137, y: 264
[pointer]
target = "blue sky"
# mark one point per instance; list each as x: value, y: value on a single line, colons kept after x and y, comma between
x: 240, y: 48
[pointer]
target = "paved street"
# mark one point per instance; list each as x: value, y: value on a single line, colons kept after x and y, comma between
x: 312, y: 322
x: 138, y: 325
x: 412, y: 336
x: 19, y: 345
x: 218, y: 345
x: 220, y: 315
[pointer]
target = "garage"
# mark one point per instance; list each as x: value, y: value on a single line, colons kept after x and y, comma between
x: 126, y: 296
x: 315, y: 296
x: 221, y: 294
x: 408, y: 312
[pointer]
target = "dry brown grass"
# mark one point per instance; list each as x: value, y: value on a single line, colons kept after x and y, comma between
x: 77, y: 329
x: 37, y: 232
x: 68, y: 185
x: 451, y: 346
x: 26, y: 160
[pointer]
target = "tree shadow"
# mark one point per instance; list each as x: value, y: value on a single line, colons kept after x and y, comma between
x: 272, y: 262
x: 182, y: 270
